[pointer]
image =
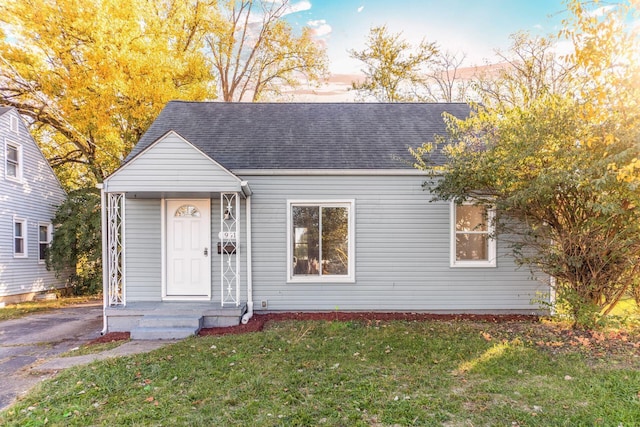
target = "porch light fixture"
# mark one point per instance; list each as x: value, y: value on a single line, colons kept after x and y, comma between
x: 228, y: 212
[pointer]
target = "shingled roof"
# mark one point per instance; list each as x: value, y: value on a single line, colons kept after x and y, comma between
x: 304, y: 135
x: 4, y: 110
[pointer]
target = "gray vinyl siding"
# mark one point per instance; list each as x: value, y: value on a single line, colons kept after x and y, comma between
x: 143, y: 250
x: 34, y: 199
x: 172, y: 165
x: 143, y: 256
x: 402, y: 252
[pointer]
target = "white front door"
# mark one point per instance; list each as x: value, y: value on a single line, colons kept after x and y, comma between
x: 188, y: 249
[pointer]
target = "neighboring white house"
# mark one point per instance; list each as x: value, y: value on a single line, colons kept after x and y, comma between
x: 29, y: 196
x: 231, y: 208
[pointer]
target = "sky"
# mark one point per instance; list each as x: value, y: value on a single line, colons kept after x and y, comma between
x: 476, y: 27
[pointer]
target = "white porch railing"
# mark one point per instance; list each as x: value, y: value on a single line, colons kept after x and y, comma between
x: 115, y: 248
x: 229, y: 249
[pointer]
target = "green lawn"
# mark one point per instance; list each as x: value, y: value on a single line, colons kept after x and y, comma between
x: 305, y: 373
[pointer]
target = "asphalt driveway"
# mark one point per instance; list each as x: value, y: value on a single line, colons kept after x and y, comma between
x: 30, y: 340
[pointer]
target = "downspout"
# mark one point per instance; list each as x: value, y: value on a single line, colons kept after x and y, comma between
x: 105, y: 261
x: 249, y: 314
x: 552, y: 295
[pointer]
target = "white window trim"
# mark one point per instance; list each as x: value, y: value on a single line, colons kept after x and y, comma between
x: 18, y: 147
x: 25, y: 233
x: 49, y: 238
x: 492, y: 249
x: 350, y: 204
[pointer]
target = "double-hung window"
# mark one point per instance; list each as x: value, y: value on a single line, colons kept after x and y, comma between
x: 472, y: 235
x: 320, y: 236
x: 13, y: 161
x: 19, y: 238
x: 44, y: 240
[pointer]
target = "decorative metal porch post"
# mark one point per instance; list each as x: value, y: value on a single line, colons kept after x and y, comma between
x: 229, y: 249
x: 115, y: 239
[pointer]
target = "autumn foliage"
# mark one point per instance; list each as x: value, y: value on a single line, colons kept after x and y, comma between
x: 560, y: 161
x: 91, y: 75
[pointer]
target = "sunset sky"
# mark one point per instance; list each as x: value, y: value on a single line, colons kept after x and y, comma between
x: 476, y: 27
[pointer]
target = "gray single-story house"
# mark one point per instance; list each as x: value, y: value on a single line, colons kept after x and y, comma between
x: 226, y: 209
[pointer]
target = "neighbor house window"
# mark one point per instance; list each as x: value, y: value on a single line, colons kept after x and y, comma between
x: 321, y: 241
x: 44, y: 240
x: 13, y: 169
x: 472, y: 236
x: 19, y: 238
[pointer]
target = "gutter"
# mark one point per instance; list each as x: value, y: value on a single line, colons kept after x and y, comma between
x: 249, y: 314
x: 105, y: 273
x: 334, y: 172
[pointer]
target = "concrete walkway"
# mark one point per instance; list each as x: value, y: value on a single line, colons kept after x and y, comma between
x: 29, y: 346
x: 126, y: 349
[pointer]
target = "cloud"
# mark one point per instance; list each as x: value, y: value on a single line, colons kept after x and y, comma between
x: 601, y: 11
x: 292, y: 7
x: 300, y: 6
x: 257, y: 16
x: 360, y: 9
x: 320, y: 27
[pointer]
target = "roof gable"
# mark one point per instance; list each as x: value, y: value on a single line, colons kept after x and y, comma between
x: 304, y: 135
x: 34, y: 161
x: 172, y: 163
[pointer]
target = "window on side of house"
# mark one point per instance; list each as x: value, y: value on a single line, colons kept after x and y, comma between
x: 19, y: 238
x: 13, y: 161
x: 472, y: 236
x: 44, y: 240
x: 320, y: 236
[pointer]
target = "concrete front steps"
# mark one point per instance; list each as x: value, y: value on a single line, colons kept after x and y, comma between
x: 159, y: 327
x: 171, y: 320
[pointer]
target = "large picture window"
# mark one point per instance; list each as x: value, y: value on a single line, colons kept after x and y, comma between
x: 320, y: 241
x: 473, y: 244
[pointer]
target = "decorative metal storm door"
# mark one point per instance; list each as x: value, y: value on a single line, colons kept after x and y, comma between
x: 228, y: 248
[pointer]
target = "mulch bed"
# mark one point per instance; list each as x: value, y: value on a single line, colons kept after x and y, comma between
x: 111, y: 337
x: 258, y: 321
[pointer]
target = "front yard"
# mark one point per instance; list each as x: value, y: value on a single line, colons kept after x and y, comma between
x: 367, y: 373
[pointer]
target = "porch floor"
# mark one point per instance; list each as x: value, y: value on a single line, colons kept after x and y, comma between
x: 208, y: 314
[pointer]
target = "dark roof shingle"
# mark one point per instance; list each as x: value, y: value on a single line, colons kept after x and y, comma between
x: 304, y: 135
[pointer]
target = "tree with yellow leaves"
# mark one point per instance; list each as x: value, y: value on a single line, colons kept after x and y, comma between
x: 92, y: 75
